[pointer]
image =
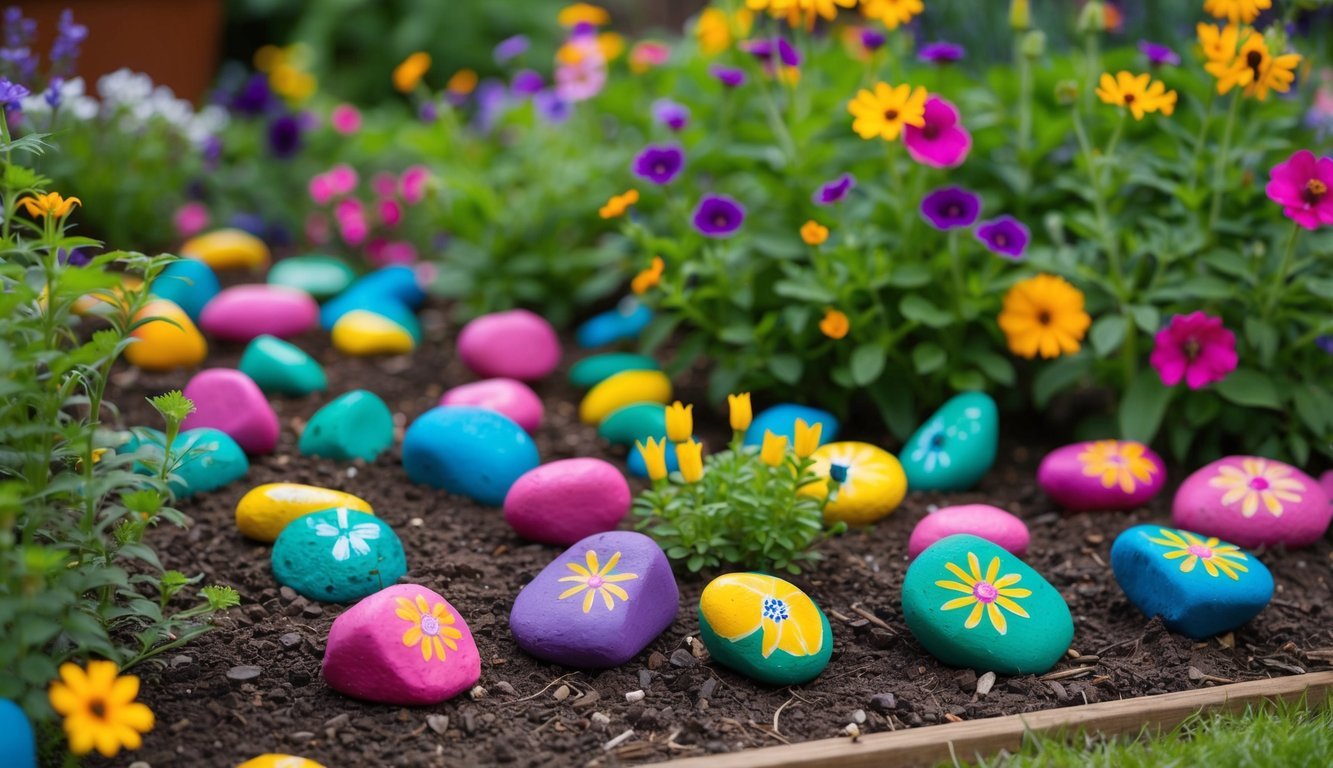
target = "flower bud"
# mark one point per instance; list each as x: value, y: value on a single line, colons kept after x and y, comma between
x: 1020, y: 15
x: 1092, y: 19
x: 1033, y: 44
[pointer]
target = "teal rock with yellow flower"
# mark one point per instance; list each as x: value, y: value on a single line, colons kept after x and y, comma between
x: 972, y: 604
x: 956, y: 446
x: 764, y: 627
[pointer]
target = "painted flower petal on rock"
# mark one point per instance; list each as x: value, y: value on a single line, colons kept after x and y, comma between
x: 597, y: 579
x: 985, y: 594
x: 1258, y: 481
x: 1118, y: 463
x: 349, y: 539
x: 787, y: 616
x: 1216, y: 556
x: 430, y: 627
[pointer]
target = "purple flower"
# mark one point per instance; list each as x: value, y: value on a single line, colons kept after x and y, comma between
x: 1005, y: 236
x: 872, y: 39
x: 834, y: 191
x: 510, y: 48
x: 74, y: 257
x: 772, y: 50
x: 212, y: 150
x: 69, y: 39
x: 284, y: 136
x: 1158, y: 55
x: 941, y: 53
x: 255, y: 97
x: 250, y: 222
x: 1325, y: 343
x: 718, y: 216
x: 492, y: 100
x: 950, y: 208
x: 428, y: 112
x: 583, y: 29
x: 673, y: 115
x: 659, y: 163
x: 730, y: 77
x: 11, y: 93
x: 52, y: 93
x: 527, y: 83
x: 550, y: 107
x: 17, y: 51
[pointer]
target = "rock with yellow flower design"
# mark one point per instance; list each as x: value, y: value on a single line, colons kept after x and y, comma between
x: 17, y: 745
x: 972, y: 604
x: 402, y: 645
x: 764, y: 627
x: 955, y: 447
x: 873, y: 482
x: 1254, y: 502
x: 1102, y: 475
x: 1199, y: 585
x: 274, y: 760
x: 516, y: 344
x: 599, y: 604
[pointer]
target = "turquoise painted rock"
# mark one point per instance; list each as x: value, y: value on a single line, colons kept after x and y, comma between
x: 636, y: 422
x: 189, y: 283
x: 639, y: 468
x: 591, y: 371
x: 955, y: 448
x: 338, y: 555
x: 356, y: 425
x: 972, y: 604
x: 280, y: 367
x: 1199, y: 585
x: 781, y: 421
x: 17, y: 746
x: 765, y: 628
x: 323, y: 277
x: 623, y: 323
x: 469, y: 451
x: 203, y: 459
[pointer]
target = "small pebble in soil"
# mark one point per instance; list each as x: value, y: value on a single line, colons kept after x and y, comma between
x: 561, y: 693
x: 623, y: 323
x: 990, y: 523
x: 282, y: 368
x: 266, y: 510
x: 203, y: 459
x: 323, y: 277
x: 242, y: 312
x: 168, y: 342
x: 17, y: 744
x: 477, y: 692
x: 230, y: 401
x: 273, y: 760
x: 781, y: 420
x: 505, y: 687
x: 622, y: 389
x: 242, y: 673
x: 600, y: 718
x: 1253, y: 502
x: 765, y: 628
x: 884, y: 702
x: 227, y: 248
x: 636, y: 422
x: 189, y: 283
x: 874, y: 487
x: 568, y: 500
x: 955, y: 447
x: 438, y: 723
x: 516, y: 344
x: 592, y: 370
x: 469, y: 451
x: 338, y: 555
x: 1112, y: 475
x: 362, y: 333
x: 634, y: 696
x: 354, y: 425
x: 509, y: 397
x: 290, y: 640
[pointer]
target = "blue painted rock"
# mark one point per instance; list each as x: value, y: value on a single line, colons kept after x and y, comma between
x: 624, y: 388
x: 567, y: 500
x: 400, y: 283
x: 266, y: 510
x: 516, y: 344
x: 362, y: 333
x: 591, y: 371
x: 403, y: 645
x: 323, y: 277
x: 874, y: 487
x: 781, y: 421
x: 972, y: 604
x: 338, y: 555
x: 394, y: 310
x: 765, y: 628
x: 623, y: 323
x: 17, y: 745
x: 955, y: 448
x: 355, y: 425
x: 639, y: 468
x: 1253, y: 502
x: 230, y: 401
x: 510, y: 397
x: 1200, y: 586
x: 242, y: 312
x: 189, y: 283
x: 281, y: 367
x: 1102, y: 475
x: 982, y: 520
x: 469, y: 451
x: 203, y: 459
x: 599, y: 604
x: 634, y: 423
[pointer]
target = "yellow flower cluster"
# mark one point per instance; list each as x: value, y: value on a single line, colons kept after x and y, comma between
x: 287, y: 70
x: 892, y: 13
x: 51, y: 204
x: 803, y: 12
x: 716, y: 30
x: 1239, y: 57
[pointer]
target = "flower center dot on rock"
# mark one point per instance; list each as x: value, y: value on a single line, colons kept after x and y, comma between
x: 1259, y: 484
x: 595, y: 582
x: 775, y: 609
x: 1198, y: 550
x: 985, y: 592
x: 430, y: 625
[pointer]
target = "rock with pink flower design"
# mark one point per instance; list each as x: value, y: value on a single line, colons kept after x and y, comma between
x: 403, y: 645
x: 230, y: 401
x: 510, y: 397
x: 516, y: 344
x: 568, y: 500
x: 1196, y: 349
x: 244, y: 312
x: 1254, y: 502
x: 982, y: 520
x: 1108, y: 475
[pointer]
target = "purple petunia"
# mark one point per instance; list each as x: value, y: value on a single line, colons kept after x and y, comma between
x: 775, y: 50
x: 550, y: 107
x: 730, y: 77
x: 284, y: 136
x: 527, y: 83
x: 254, y: 97
x: 1325, y: 343
x: 510, y: 48
x: 1005, y: 236
x: 718, y: 216
x: 834, y: 191
x: 659, y: 163
x: 12, y: 93
x: 672, y: 114
x: 941, y: 53
x: 951, y: 208
x: 872, y: 39
x: 1158, y: 55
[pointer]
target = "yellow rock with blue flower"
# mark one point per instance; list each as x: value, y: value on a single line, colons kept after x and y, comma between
x: 265, y: 510
x: 227, y: 249
x: 273, y: 760
x: 624, y: 388
x: 764, y: 627
x: 361, y: 333
x: 874, y: 483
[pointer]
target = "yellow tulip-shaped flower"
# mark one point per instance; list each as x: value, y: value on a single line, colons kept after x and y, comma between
x: 51, y: 204
x: 741, y: 413
x: 654, y: 457
x: 774, y: 449
x: 690, y: 456
x: 99, y: 708
x: 679, y: 422
x: 807, y: 437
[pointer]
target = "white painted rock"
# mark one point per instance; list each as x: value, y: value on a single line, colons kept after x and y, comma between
x: 981, y: 520
x: 565, y: 501
x: 1253, y: 502
x: 516, y: 344
x: 510, y: 397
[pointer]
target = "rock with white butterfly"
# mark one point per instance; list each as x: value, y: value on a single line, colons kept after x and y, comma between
x: 338, y: 555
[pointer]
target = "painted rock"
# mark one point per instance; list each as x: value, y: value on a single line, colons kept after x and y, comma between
x: 599, y: 604
x: 17, y: 745
x: 972, y: 604
x: 591, y: 371
x: 516, y: 344
x: 1253, y: 502
x: 633, y: 423
x: 242, y: 312
x: 564, y: 501
x: 765, y: 628
x: 402, y: 645
x: 1102, y: 475
x: 338, y: 308
x: 355, y: 425
x: 622, y: 389
x: 113, y: 299
x: 338, y: 555
x: 323, y: 277
x: 274, y: 760
x: 189, y: 283
x: 1326, y: 482
x: 636, y: 465
x: 227, y: 249
x: 171, y: 341
x: 231, y: 401
x: 203, y: 459
x: 981, y: 520
x: 1200, y: 586
x: 510, y: 397
x: 623, y: 323
x: 781, y: 421
x: 874, y: 487
x: 361, y: 333
x: 469, y: 451
x: 266, y: 510
x: 398, y: 282
x: 280, y: 367
x: 956, y: 446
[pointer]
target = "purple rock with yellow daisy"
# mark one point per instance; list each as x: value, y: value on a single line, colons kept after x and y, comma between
x: 1106, y: 475
x: 1253, y: 501
x: 599, y: 604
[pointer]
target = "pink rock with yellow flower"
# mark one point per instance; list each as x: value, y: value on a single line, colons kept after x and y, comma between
x: 1116, y: 475
x: 1253, y: 502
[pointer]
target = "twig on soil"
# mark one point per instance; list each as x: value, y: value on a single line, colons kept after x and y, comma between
x: 617, y: 741
x: 839, y: 616
x: 764, y: 729
x: 1066, y: 674
x: 550, y: 720
x: 778, y: 714
x: 1114, y: 646
x: 872, y: 618
x: 544, y: 690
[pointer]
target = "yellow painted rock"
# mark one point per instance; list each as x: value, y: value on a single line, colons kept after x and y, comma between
x: 622, y: 389
x: 264, y: 511
x: 361, y: 333
x: 874, y: 487
x: 161, y: 346
x: 227, y: 249
x: 280, y: 761
x: 117, y: 297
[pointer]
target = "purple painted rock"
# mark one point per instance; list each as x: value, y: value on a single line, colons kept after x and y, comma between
x: 402, y: 645
x: 510, y: 397
x: 244, y: 312
x: 1102, y: 475
x: 564, y: 501
x: 981, y: 520
x: 516, y: 344
x: 1253, y: 502
x: 599, y: 604
x: 232, y: 402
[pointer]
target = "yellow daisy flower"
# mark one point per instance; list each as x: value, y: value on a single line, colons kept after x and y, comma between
x: 431, y: 627
x: 884, y: 112
x: 1140, y: 94
x: 892, y: 13
x: 597, y: 580
x: 1044, y: 314
x: 1216, y: 556
x: 1118, y: 463
x: 99, y: 708
x: 740, y: 604
x: 407, y: 75
x: 582, y: 13
x: 1258, y: 481
x: 1237, y: 10
x: 985, y: 594
x: 1219, y: 43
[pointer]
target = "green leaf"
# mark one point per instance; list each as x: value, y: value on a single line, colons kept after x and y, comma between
x: 911, y: 275
x: 919, y: 309
x: 1319, y: 286
x: 996, y: 367
x: 1263, y: 337
x: 1147, y: 318
x: 1143, y: 406
x: 928, y: 358
x: 1107, y: 334
x: 967, y: 381
x: 893, y: 398
x: 1056, y: 377
x: 867, y: 364
x: 786, y: 368
x: 804, y: 290
x: 1250, y: 388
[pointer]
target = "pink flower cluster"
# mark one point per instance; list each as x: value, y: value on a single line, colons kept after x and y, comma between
x: 367, y: 223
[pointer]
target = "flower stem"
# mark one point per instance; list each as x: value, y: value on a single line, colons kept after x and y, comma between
x: 1110, y: 240
x: 956, y: 266
x: 1220, y: 169
x: 1280, y: 277
x: 1024, y: 65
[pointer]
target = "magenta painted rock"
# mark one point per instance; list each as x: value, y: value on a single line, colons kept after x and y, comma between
x: 510, y: 397
x: 1102, y: 475
x: 599, y: 604
x: 232, y: 402
x: 516, y: 344
x: 402, y: 645
x: 244, y: 312
x: 1326, y: 482
x: 564, y: 501
x: 982, y: 520
x: 1253, y: 502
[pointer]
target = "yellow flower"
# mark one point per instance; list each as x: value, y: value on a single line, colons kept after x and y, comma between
x: 462, y: 82
x: 597, y: 579
x: 1258, y: 481
x: 1219, y: 43
x: 611, y: 44
x: 774, y: 449
x: 715, y: 30
x: 740, y: 411
x: 884, y: 112
x: 407, y: 75
x: 814, y: 233
x: 799, y: 11
x: 1020, y: 15
x: 740, y: 604
x: 1044, y: 314
x: 1237, y: 10
x: 690, y: 457
x: 582, y: 13
x: 1215, y: 555
x: 618, y: 204
x: 986, y: 594
x: 654, y: 457
x: 807, y: 437
x: 49, y: 204
x: 431, y: 627
x: 789, y: 76
x: 835, y: 324
x: 648, y: 278
x: 99, y: 708
x: 1118, y: 464
x: 679, y: 422
x: 291, y: 82
x: 1257, y: 70
x: 1138, y: 93
x: 892, y: 12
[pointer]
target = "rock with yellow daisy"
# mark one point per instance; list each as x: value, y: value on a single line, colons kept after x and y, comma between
x: 955, y: 447
x: 764, y: 627
x: 1109, y: 475
x: 1200, y: 585
x: 1254, y: 502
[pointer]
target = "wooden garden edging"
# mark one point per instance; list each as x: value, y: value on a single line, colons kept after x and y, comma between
x: 967, y: 740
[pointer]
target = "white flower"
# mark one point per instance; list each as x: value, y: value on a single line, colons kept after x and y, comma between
x: 350, y: 539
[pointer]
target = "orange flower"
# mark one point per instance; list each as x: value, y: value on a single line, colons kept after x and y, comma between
x: 835, y: 324
x: 51, y: 204
x: 407, y: 75
x: 1044, y: 315
x: 618, y: 204
x: 582, y: 13
x: 649, y: 277
x: 814, y: 233
x: 463, y: 82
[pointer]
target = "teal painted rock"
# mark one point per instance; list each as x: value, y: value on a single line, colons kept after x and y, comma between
x: 781, y: 421
x: 955, y: 448
x: 280, y: 367
x: 972, y: 604
x: 320, y: 276
x: 205, y: 459
x: 338, y: 555
x: 357, y: 425
x: 591, y: 371
x: 639, y: 468
x: 17, y: 746
x: 765, y: 628
x: 189, y: 283
x: 636, y: 422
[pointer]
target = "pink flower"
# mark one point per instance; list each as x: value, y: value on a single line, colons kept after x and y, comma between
x: 413, y: 182
x: 342, y: 179
x: 584, y: 78
x: 1194, y: 347
x: 390, y: 212
x: 346, y: 119
x: 1303, y: 186
x: 351, y: 221
x: 942, y: 142
x: 321, y: 189
x: 190, y: 219
x: 397, y: 252
x: 317, y: 228
x: 384, y: 184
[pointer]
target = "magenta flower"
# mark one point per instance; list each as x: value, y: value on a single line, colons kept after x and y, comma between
x: 1303, y: 186
x: 659, y: 164
x: 834, y: 191
x: 1196, y: 348
x: 413, y: 183
x: 1005, y: 236
x: 950, y: 208
x: 942, y: 142
x: 718, y: 216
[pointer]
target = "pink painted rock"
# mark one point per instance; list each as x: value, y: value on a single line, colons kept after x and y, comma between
x: 510, y: 397
x: 1102, y: 475
x: 1253, y: 502
x: 516, y: 344
x: 565, y: 501
x: 232, y: 402
x: 244, y: 312
x: 1326, y: 482
x: 402, y: 645
x: 982, y: 520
